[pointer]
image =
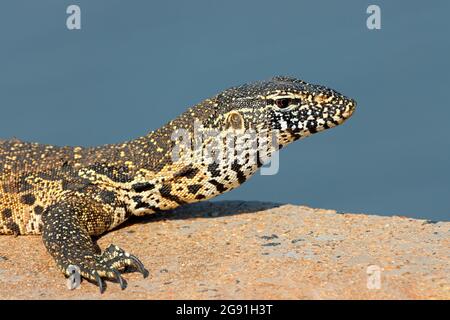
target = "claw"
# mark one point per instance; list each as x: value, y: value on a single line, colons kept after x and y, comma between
x: 108, y: 264
x: 138, y: 264
x: 120, y: 279
x: 99, y: 282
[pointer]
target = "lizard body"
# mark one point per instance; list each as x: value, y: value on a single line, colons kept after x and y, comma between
x: 69, y: 194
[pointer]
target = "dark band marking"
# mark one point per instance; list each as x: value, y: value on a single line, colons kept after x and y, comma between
x: 193, y: 188
x: 139, y: 203
x: 20, y: 186
x: 28, y: 199
x: 7, y: 188
x: 219, y: 186
x: 7, y: 213
x: 165, y: 192
x: 187, y: 172
x: 14, y: 227
x: 115, y: 173
x: 24, y: 185
x: 236, y: 167
x: 38, y: 210
x: 214, y: 169
x: 107, y: 196
x: 143, y: 186
x: 312, y: 126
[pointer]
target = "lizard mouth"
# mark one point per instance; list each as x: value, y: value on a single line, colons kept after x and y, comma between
x: 306, y: 126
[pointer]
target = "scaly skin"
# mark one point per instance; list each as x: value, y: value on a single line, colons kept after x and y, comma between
x: 69, y: 194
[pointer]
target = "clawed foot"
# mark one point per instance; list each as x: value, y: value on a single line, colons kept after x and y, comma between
x: 108, y: 265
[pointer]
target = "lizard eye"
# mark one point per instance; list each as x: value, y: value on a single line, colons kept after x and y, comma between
x: 283, y: 103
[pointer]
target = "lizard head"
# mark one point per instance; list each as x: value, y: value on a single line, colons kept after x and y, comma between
x: 291, y: 107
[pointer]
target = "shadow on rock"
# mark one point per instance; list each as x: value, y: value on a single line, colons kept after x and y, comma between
x: 206, y: 209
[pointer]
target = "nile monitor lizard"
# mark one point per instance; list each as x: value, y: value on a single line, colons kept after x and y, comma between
x: 69, y: 194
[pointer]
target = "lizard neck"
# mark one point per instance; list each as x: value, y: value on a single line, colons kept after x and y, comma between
x: 167, y: 171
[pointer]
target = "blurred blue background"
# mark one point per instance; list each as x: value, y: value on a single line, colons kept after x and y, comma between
x: 135, y: 65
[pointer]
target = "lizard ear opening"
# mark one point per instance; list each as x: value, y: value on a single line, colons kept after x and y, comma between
x: 234, y: 120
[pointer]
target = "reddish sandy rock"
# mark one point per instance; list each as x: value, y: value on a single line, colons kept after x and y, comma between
x: 252, y: 250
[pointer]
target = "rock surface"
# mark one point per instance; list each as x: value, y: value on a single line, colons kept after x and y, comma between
x: 253, y: 250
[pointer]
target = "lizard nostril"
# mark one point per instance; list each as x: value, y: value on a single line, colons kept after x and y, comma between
x: 349, y: 108
x: 350, y: 104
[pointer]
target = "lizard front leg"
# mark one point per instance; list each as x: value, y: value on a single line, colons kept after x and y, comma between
x: 66, y: 235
